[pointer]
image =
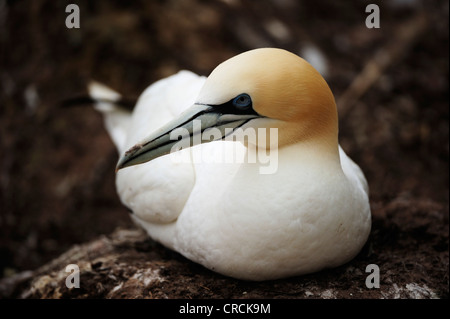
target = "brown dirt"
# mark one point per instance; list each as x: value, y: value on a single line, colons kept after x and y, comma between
x: 57, y: 164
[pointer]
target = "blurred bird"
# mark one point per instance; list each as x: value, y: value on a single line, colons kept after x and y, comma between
x: 312, y: 212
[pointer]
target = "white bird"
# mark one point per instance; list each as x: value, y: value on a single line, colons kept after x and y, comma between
x: 311, y: 212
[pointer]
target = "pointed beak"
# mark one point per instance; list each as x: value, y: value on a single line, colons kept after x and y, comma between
x: 162, y: 141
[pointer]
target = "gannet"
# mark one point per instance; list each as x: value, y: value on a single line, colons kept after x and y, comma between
x: 310, y: 213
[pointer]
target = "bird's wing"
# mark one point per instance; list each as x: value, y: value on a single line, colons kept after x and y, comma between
x: 155, y: 191
x: 117, y: 120
x: 353, y: 171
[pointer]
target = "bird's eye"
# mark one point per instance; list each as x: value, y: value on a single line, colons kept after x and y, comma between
x: 242, y: 101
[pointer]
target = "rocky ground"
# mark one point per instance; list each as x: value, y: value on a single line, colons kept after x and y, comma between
x: 58, y: 203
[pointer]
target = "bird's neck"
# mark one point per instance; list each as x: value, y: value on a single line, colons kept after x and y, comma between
x: 319, y: 136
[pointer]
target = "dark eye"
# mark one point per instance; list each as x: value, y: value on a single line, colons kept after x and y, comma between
x: 242, y: 101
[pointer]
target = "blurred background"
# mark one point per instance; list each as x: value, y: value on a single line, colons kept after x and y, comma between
x: 57, y: 164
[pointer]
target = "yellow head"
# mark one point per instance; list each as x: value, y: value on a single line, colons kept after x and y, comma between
x: 283, y: 87
x: 262, y: 88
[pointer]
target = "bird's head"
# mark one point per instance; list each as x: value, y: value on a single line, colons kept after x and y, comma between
x: 262, y: 88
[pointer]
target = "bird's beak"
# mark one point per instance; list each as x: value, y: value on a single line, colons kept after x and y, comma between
x: 162, y: 141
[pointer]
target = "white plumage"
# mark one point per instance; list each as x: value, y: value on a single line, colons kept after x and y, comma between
x: 312, y: 213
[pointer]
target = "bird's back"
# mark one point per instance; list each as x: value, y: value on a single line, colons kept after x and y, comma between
x: 155, y: 191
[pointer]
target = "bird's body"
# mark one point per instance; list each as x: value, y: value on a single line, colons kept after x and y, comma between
x: 310, y: 213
